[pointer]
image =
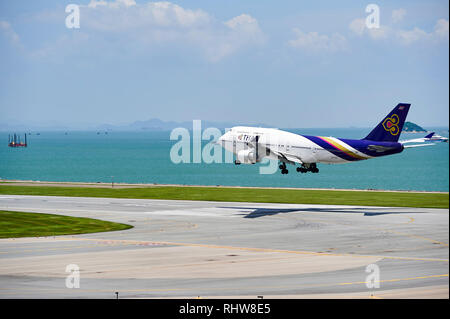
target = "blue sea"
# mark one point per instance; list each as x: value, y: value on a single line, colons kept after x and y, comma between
x: 144, y: 157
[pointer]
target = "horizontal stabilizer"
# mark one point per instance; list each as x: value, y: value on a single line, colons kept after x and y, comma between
x: 414, y: 140
x: 418, y: 145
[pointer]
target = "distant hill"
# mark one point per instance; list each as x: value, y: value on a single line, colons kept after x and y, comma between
x: 413, y: 128
x: 159, y: 125
x: 153, y: 124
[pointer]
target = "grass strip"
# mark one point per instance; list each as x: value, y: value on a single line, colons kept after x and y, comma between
x: 20, y: 224
x: 289, y: 196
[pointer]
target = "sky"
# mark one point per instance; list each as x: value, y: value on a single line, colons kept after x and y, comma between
x: 290, y: 64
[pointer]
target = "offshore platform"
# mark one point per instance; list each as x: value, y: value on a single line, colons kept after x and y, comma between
x: 16, y: 141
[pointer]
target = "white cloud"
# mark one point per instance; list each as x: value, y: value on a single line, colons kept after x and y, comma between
x: 115, y: 4
x: 440, y: 33
x: 165, y: 23
x: 358, y: 27
x: 95, y: 3
x: 243, y: 22
x: 411, y: 36
x: 126, y: 15
x: 313, y: 41
x: 382, y: 32
x: 8, y: 32
x: 398, y: 15
x: 441, y: 29
x: 405, y: 37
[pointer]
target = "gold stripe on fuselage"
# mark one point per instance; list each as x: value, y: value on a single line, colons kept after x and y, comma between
x: 342, y: 148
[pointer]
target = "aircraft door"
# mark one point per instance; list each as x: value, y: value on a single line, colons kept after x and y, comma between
x: 315, y: 153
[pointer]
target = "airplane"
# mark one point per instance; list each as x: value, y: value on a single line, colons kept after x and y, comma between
x: 435, y: 137
x: 432, y: 137
x: 252, y: 144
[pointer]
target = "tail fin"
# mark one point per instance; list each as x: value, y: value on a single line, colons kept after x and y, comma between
x: 390, y: 128
x: 429, y: 135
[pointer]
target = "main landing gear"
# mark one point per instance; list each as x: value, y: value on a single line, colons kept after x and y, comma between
x: 312, y: 167
x: 308, y: 168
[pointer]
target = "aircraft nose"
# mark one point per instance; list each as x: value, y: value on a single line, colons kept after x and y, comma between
x: 221, y: 139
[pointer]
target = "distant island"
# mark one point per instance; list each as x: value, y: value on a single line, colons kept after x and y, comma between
x: 146, y: 125
x: 159, y: 125
x: 153, y: 124
x: 413, y: 128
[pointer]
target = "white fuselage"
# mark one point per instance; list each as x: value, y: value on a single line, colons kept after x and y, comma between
x: 273, y: 142
x: 437, y: 138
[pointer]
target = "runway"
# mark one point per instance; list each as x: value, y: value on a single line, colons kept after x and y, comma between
x: 196, y: 249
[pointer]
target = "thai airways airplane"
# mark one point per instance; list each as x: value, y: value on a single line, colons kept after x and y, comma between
x: 435, y: 137
x: 432, y: 137
x: 252, y: 144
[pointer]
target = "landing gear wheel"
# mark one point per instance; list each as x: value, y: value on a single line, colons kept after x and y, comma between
x: 283, y: 169
x: 301, y: 170
x: 314, y: 168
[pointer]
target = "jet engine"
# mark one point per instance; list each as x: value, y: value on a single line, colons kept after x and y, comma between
x: 246, y: 157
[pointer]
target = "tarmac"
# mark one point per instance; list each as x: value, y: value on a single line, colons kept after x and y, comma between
x: 197, y: 249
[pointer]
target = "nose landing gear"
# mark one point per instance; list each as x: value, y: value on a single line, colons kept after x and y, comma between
x: 283, y: 168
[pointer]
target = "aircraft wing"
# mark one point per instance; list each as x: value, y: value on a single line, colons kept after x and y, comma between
x: 282, y: 156
x: 286, y: 157
x: 417, y: 140
x: 290, y: 158
x: 414, y: 140
x: 418, y: 145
